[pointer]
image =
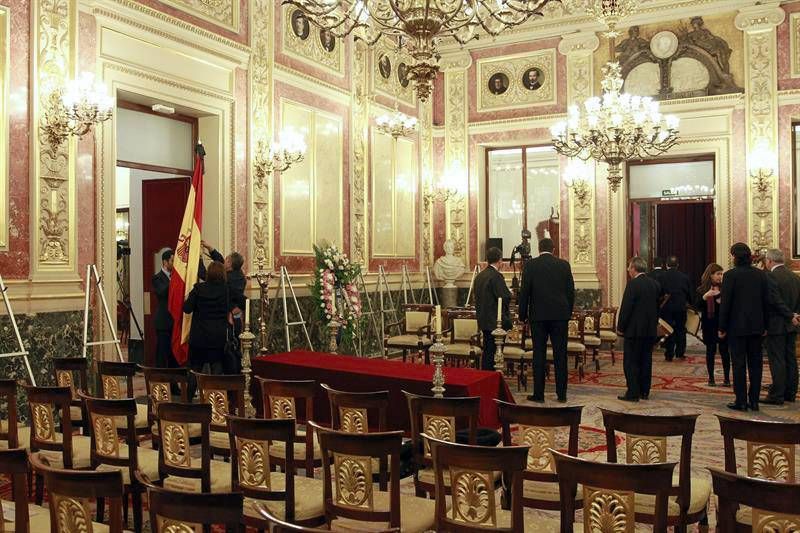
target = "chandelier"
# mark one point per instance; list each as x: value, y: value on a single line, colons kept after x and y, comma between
x: 75, y: 109
x: 279, y: 156
x: 607, y: 12
x: 617, y: 127
x: 418, y: 25
x: 398, y: 124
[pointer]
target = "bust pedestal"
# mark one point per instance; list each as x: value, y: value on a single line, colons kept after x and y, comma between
x: 448, y: 297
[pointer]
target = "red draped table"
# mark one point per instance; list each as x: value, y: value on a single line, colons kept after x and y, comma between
x: 355, y: 374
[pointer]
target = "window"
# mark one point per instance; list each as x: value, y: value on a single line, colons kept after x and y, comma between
x: 394, y: 178
x: 522, y: 192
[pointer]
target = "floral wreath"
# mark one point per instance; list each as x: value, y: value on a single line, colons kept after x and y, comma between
x: 334, y: 273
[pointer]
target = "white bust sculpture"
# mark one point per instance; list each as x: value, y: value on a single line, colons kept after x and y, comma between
x: 449, y: 267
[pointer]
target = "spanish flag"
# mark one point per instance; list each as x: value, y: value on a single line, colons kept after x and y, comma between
x: 187, y: 260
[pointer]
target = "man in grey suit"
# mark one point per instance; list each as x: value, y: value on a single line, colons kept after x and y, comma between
x: 782, y: 332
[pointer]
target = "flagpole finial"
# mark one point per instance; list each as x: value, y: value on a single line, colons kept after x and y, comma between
x: 199, y: 150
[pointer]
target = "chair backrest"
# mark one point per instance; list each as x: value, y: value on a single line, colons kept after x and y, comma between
x: 591, y: 323
x: 44, y: 403
x: 71, y: 491
x: 173, y: 511
x: 440, y: 418
x: 174, y: 454
x: 111, y: 375
x: 471, y: 473
x: 353, y: 411
x: 519, y: 333
x: 609, y: 492
x: 608, y: 318
x: 105, y: 416
x: 158, y: 383
x: 774, y: 504
x: 771, y: 447
x: 646, y: 443
x: 347, y: 465
x: 536, y: 427
x: 67, y: 369
x: 14, y: 465
x: 8, y: 428
x: 463, y: 325
x: 575, y: 327
x: 250, y: 464
x: 225, y: 394
x: 416, y: 316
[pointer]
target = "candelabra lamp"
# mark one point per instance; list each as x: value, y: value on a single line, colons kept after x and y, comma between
x: 263, y: 278
x: 333, y: 331
x: 499, y: 335
x: 246, y: 339
x: 437, y: 357
x: 72, y: 111
x: 279, y: 156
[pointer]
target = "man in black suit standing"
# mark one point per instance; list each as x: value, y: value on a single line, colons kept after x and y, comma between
x: 163, y: 320
x: 490, y: 285
x: 658, y: 269
x: 546, y: 299
x: 782, y: 331
x: 677, y: 288
x: 638, y: 325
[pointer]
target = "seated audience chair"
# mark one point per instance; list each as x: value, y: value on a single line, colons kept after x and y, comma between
x: 575, y: 344
x: 608, y: 330
x: 471, y: 471
x: 351, y: 501
x: 14, y: 467
x: 225, y: 394
x: 288, y: 497
x: 179, y: 512
x: 279, y: 526
x: 67, y: 369
x: 463, y: 344
x: 288, y: 399
x: 159, y: 383
x: 646, y: 443
x: 591, y: 335
x: 611, y: 494
x: 773, y: 505
x: 413, y: 331
x: 10, y: 434
x: 439, y: 418
x: 116, y: 383
x: 533, y: 426
x: 70, y: 493
x: 518, y: 352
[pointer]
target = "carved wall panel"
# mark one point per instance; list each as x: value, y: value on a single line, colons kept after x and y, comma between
x: 306, y: 42
x: 390, y: 74
x: 359, y: 245
x: 54, y: 245
x: 516, y: 81
x: 222, y: 12
x: 426, y: 169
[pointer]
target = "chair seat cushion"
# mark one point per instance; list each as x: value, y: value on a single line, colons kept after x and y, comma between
x: 426, y: 475
x: 700, y: 494
x: 220, y: 479
x: 516, y: 353
x: 140, y: 421
x: 540, y: 525
x: 608, y: 336
x: 572, y: 348
x: 546, y: 491
x: 218, y: 439
x: 75, y: 413
x: 308, y: 499
x: 591, y: 340
x: 461, y: 349
x: 417, y: 515
x: 23, y: 438
x: 81, y: 454
x: 147, y: 459
x: 744, y: 515
x: 410, y: 341
x: 278, y: 449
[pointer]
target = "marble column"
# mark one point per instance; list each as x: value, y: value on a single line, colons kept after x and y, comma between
x: 759, y: 23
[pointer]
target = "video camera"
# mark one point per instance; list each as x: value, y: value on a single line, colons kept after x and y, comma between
x: 123, y: 249
x: 523, y: 248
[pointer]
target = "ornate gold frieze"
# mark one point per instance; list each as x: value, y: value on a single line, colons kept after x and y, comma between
x: 310, y: 44
x: 360, y: 132
x: 521, y: 80
x: 224, y: 13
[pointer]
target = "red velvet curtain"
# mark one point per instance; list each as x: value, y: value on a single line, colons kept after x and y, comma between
x: 687, y: 231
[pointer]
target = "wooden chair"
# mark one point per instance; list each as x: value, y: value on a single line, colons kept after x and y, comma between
x: 108, y: 453
x: 350, y: 411
x: 576, y: 346
x: 351, y: 501
x: 773, y: 506
x: 518, y: 353
x: 67, y: 369
x: 14, y: 466
x: 178, y: 512
x: 646, y: 443
x: 463, y: 345
x: 70, y: 492
x: 286, y: 496
x: 279, y: 526
x: 177, y: 469
x: 439, y: 418
x: 158, y: 383
x: 225, y: 394
x: 280, y: 400
x: 116, y: 382
x: 413, y: 331
x: 591, y: 335
x: 608, y: 330
x: 471, y: 471
x: 9, y: 431
x: 611, y: 493
x: 536, y: 427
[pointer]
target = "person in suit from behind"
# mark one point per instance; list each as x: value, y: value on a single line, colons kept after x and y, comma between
x: 782, y: 330
x: 546, y: 299
x: 707, y: 301
x: 637, y: 323
x: 163, y: 320
x: 490, y: 285
x: 678, y: 292
x: 658, y: 269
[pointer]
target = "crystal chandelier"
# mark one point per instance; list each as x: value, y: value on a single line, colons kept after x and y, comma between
x: 607, y: 12
x: 75, y: 109
x: 397, y: 124
x: 418, y: 25
x: 279, y: 156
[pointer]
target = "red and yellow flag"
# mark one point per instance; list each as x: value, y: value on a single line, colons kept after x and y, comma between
x: 187, y: 260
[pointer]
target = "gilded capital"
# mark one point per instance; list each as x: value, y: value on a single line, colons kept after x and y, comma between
x: 758, y: 18
x: 460, y: 60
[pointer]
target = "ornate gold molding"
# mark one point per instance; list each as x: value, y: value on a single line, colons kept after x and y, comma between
x: 224, y: 13
x: 426, y: 168
x: 309, y: 49
x: 359, y: 245
x: 514, y: 69
x: 391, y: 86
x: 53, y: 243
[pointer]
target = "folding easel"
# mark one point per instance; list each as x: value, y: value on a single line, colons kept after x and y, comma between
x: 21, y: 351
x: 406, y: 287
x: 433, y: 298
x: 286, y: 281
x: 370, y: 314
x: 471, y: 285
x: 382, y: 288
x: 92, y: 277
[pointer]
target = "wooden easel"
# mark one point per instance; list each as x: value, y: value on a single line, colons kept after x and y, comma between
x: 93, y: 278
x: 21, y: 351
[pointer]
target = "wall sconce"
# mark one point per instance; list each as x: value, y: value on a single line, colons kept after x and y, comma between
x: 279, y: 156
x: 447, y: 188
x: 762, y: 166
x: 74, y: 110
x: 578, y: 176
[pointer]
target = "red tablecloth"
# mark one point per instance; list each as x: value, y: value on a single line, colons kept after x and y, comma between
x: 354, y: 374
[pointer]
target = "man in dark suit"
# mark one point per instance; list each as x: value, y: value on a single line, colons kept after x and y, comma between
x: 637, y: 323
x: 658, y: 269
x: 163, y: 320
x: 677, y: 289
x: 490, y: 285
x: 546, y: 299
x: 782, y: 330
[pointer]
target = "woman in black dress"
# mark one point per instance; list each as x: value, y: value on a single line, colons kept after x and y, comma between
x: 707, y: 302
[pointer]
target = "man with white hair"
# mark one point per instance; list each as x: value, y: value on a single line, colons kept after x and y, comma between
x: 782, y: 331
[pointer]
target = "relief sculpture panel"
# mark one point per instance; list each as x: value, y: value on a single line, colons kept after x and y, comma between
x: 225, y: 13
x: 521, y: 80
x: 311, y: 44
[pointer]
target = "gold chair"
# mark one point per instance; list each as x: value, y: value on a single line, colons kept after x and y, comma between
x: 414, y: 331
x: 463, y: 345
x: 591, y: 335
x: 774, y: 507
x: 608, y: 330
x: 518, y: 353
x: 116, y: 383
x: 225, y: 394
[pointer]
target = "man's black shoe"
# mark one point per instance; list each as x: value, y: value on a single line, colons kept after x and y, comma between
x: 562, y: 400
x: 535, y: 399
x: 753, y: 407
x: 626, y: 398
x: 645, y: 397
x: 737, y: 407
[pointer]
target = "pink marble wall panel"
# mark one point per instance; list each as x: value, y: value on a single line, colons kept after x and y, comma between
x: 528, y: 110
x: 785, y: 80
x: 305, y: 263
x: 439, y: 216
x: 14, y: 263
x: 241, y: 193
x: 438, y: 100
x: 738, y: 179
x: 601, y: 235
x: 563, y: 218
x: 85, y: 169
x: 786, y: 208
x: 242, y: 36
